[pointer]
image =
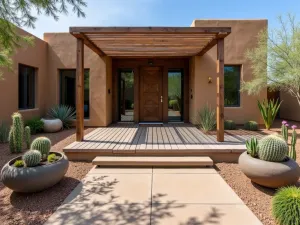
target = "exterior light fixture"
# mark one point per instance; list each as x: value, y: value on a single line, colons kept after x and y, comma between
x: 209, y: 80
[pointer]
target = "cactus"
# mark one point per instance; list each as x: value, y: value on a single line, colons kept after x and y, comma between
x: 11, y: 140
x: 17, y: 131
x: 252, y: 147
x: 32, y: 158
x: 43, y: 145
x: 229, y: 125
x: 27, y: 136
x: 272, y: 148
x: 292, y: 151
x: 284, y: 131
x: 251, y: 125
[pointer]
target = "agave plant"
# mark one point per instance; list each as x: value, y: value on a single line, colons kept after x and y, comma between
x: 206, y: 119
x: 268, y: 110
x: 63, y: 112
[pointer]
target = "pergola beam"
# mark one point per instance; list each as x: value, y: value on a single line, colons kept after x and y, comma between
x: 80, y: 90
x: 88, y: 43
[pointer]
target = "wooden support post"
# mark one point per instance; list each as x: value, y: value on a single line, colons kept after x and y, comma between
x: 220, y: 90
x: 79, y: 90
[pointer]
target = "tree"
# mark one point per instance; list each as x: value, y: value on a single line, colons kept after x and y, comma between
x: 276, y: 59
x: 15, y: 13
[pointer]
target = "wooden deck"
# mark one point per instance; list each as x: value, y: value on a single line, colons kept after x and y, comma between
x: 169, y: 139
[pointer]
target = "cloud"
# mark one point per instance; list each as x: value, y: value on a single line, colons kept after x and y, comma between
x: 99, y: 13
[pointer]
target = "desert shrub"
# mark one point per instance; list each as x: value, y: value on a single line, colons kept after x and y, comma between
x: 63, y: 112
x: 19, y: 163
x: 251, y: 125
x: 174, y: 104
x: 43, y: 145
x: 206, y: 119
x: 35, y: 124
x: 52, y: 158
x: 286, y: 206
x: 32, y: 158
x: 229, y: 125
x: 4, y: 132
x: 268, y: 110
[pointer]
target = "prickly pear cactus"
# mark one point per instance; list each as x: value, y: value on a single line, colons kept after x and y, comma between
x: 27, y: 136
x: 43, y: 145
x: 17, y: 131
x: 32, y: 158
x: 272, y: 148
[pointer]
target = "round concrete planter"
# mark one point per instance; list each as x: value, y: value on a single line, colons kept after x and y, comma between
x: 33, y: 179
x: 52, y: 125
x: 269, y: 174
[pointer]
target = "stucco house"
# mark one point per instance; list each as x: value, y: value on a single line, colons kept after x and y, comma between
x: 138, y: 74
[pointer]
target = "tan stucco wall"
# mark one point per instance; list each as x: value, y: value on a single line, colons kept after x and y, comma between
x: 289, y: 108
x: 62, y: 55
x: 35, y: 56
x: 243, y: 36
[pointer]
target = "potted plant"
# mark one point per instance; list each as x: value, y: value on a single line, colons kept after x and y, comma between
x: 36, y: 170
x: 266, y: 162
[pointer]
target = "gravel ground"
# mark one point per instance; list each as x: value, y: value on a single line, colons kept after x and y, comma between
x: 257, y: 198
x: 36, y: 208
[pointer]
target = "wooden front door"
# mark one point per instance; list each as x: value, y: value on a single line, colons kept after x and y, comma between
x: 151, y: 94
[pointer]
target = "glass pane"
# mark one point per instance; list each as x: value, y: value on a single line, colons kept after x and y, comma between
x: 126, y: 96
x: 232, y: 86
x: 175, y: 96
x: 26, y: 87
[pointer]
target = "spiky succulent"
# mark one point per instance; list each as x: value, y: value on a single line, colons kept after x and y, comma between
x: 18, y: 130
x: 27, y: 136
x: 43, y: 145
x: 11, y: 140
x: 272, y: 148
x: 251, y: 125
x: 252, y: 147
x: 32, y: 158
x: 286, y: 206
x: 229, y: 125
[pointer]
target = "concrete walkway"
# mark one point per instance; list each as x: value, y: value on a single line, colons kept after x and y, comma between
x: 187, y: 196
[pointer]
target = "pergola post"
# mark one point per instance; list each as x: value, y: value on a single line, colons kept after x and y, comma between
x: 79, y: 90
x: 220, y: 90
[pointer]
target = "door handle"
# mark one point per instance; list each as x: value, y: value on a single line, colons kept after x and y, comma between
x: 161, y: 99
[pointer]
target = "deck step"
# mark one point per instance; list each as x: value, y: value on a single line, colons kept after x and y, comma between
x: 183, y: 161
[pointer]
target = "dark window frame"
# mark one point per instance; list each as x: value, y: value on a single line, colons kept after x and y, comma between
x: 61, y: 88
x: 238, y: 83
x: 20, y: 66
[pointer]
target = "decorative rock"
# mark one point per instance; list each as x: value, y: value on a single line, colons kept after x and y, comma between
x: 52, y: 125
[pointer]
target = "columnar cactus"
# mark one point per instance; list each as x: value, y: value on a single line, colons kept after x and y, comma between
x: 11, y: 140
x: 252, y: 147
x: 27, y: 136
x: 18, y: 131
x: 229, y: 125
x: 251, y: 125
x: 272, y: 148
x: 32, y: 158
x: 43, y: 145
x: 292, y: 151
x: 284, y: 130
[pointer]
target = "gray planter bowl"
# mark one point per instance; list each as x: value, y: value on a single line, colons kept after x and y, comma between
x: 33, y: 179
x: 269, y: 174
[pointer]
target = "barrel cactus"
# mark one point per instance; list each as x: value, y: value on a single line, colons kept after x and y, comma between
x: 17, y: 131
x: 43, y: 145
x: 32, y: 158
x: 272, y: 148
x: 251, y: 125
x: 229, y: 125
x: 27, y: 136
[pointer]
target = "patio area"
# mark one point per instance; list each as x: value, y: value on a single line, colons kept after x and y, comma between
x: 168, y: 140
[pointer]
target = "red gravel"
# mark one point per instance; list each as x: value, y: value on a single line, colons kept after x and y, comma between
x: 37, y: 207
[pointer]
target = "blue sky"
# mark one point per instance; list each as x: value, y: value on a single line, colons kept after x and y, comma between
x: 166, y: 13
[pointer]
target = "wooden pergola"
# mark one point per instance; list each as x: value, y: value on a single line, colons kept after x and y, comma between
x: 149, y: 42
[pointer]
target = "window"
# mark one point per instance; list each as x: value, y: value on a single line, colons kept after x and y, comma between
x: 175, y: 95
x: 68, y: 89
x: 232, y: 78
x: 126, y: 95
x: 26, y: 87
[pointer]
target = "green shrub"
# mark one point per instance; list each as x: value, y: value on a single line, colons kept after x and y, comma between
x: 268, y: 110
x: 63, y: 112
x: 17, y: 132
x: 27, y: 136
x: 4, y: 132
x: 206, y: 119
x: 252, y: 147
x: 32, y: 158
x: 52, y: 158
x: 229, y: 125
x: 272, y: 148
x: 174, y: 104
x: 286, y: 206
x: 43, y: 145
x: 19, y: 163
x: 251, y: 125
x: 36, y: 125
